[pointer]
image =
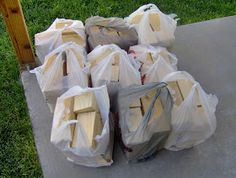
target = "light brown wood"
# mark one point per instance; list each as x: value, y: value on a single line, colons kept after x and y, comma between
x: 70, y: 115
x: 68, y: 34
x: 136, y: 19
x: 135, y: 118
x: 154, y: 20
x: 157, y: 108
x: 185, y: 87
x: 115, y: 73
x: 15, y: 22
x: 181, y: 90
x: 62, y: 24
x: 94, y: 61
x: 85, y: 102
x: 176, y: 94
x: 91, y: 124
x: 135, y: 104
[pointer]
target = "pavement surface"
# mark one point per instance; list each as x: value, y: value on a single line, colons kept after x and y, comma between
x: 207, y: 50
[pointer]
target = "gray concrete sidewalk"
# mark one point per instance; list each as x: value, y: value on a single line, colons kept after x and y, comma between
x: 207, y: 50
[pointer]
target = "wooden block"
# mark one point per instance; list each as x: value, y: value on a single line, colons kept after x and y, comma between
x: 175, y: 91
x: 91, y: 124
x: 69, y: 104
x: 116, y: 59
x: 110, y: 31
x: 149, y: 60
x: 85, y: 102
x: 49, y: 62
x: 62, y: 24
x: 136, y: 19
x: 165, y: 56
x: 135, y: 119
x: 185, y: 87
x: 157, y: 108
x: 154, y: 20
x: 115, y: 73
x: 94, y: 29
x: 180, y: 91
x: 68, y: 36
x: 13, y: 15
x: 94, y: 61
x: 135, y: 104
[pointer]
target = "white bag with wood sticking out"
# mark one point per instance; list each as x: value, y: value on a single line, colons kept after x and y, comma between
x: 61, y: 31
x: 102, y: 67
x: 156, y: 62
x: 153, y: 26
x: 63, y: 68
x: 193, y: 118
x: 62, y: 135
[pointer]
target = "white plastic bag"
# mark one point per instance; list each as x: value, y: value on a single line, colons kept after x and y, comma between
x: 101, y: 73
x: 50, y: 75
x: 167, y: 25
x: 47, y: 41
x: 163, y: 62
x: 61, y: 135
x: 191, y: 126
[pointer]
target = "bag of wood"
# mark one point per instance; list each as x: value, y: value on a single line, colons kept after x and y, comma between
x: 144, y: 119
x: 109, y: 65
x: 193, y: 114
x: 82, y: 127
x: 155, y: 62
x: 61, y: 31
x: 111, y: 30
x: 62, y: 69
x: 153, y: 26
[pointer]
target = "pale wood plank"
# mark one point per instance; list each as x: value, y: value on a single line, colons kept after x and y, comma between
x: 14, y: 19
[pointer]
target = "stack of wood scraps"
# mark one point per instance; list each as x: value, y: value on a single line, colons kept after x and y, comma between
x: 84, y: 109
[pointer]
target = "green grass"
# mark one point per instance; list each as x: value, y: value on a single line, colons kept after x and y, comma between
x: 18, y: 157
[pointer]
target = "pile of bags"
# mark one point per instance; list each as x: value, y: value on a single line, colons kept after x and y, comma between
x: 116, y: 74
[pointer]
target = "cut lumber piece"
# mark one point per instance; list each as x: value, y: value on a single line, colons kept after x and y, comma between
x: 115, y: 73
x: 102, y: 27
x: 62, y: 24
x: 165, y: 56
x: 49, y: 62
x: 70, y: 115
x: 135, y: 104
x: 91, y: 124
x: 185, y: 87
x: 157, y: 108
x: 98, y: 58
x: 175, y: 91
x: 135, y: 118
x: 154, y: 20
x: 116, y: 59
x: 180, y: 91
x: 137, y: 18
x: 68, y: 34
x: 15, y: 22
x: 85, y: 102
x: 149, y: 59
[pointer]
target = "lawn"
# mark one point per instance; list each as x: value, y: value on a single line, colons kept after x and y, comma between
x: 18, y: 156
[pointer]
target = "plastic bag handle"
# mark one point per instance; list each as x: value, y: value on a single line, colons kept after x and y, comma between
x: 150, y: 108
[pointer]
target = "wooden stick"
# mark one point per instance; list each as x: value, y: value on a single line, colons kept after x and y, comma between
x: 15, y: 22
